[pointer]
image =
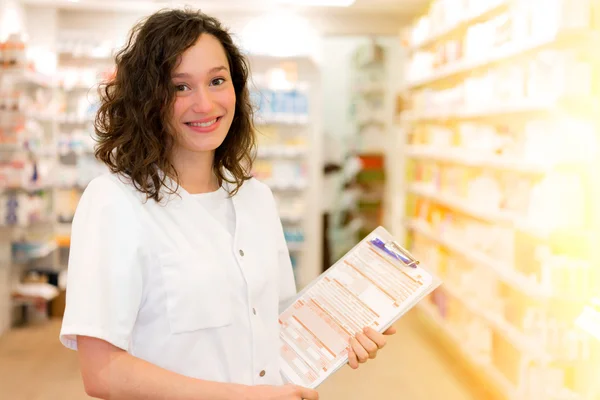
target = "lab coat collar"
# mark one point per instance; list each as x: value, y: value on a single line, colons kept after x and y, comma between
x: 174, y: 192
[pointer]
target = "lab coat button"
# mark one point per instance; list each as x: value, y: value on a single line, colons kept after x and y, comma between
x: 242, y: 253
x: 262, y: 373
x: 254, y: 311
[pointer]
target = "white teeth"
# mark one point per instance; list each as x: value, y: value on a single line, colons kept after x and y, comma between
x: 203, y: 124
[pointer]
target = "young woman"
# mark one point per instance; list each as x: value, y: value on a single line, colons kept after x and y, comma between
x: 178, y: 266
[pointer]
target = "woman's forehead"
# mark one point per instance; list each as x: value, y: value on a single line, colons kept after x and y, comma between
x: 206, y: 56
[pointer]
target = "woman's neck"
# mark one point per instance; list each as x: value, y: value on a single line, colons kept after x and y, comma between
x: 195, y: 171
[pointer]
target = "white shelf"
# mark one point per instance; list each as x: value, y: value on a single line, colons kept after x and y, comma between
x: 500, y: 54
x: 504, y: 271
x: 281, y: 152
x: 24, y: 76
x: 291, y: 218
x: 41, y: 116
x: 483, y: 110
x: 472, y: 159
x: 74, y: 119
x: 502, y: 383
x: 287, y: 185
x: 468, y: 19
x: 42, y: 252
x: 35, y: 224
x: 520, y: 341
x: 295, y: 246
x: 27, y: 188
x: 458, y: 204
x: 282, y: 119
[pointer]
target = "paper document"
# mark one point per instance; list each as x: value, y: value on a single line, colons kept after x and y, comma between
x: 374, y: 284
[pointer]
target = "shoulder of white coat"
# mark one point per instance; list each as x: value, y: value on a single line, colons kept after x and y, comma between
x: 108, y: 189
x: 257, y: 190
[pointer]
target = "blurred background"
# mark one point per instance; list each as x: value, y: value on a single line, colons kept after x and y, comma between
x: 467, y: 128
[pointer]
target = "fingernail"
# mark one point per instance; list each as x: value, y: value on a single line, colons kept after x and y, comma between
x: 366, y: 329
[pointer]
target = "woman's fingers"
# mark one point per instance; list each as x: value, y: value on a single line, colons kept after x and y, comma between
x: 352, y: 359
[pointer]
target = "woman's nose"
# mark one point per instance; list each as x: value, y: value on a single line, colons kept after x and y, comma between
x: 203, y: 103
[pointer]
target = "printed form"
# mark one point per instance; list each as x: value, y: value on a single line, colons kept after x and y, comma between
x: 373, y: 285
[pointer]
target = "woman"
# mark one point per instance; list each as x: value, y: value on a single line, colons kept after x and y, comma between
x: 178, y: 264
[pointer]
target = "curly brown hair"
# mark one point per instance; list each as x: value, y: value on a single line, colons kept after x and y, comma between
x: 132, y: 123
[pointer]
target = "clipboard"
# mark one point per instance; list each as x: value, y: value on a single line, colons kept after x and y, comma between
x: 374, y: 285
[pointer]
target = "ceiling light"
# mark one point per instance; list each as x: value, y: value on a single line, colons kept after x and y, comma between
x: 319, y: 3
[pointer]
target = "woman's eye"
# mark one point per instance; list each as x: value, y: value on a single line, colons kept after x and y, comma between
x: 217, y: 82
x: 182, y: 88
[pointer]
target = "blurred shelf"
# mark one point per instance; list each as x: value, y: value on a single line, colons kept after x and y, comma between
x: 472, y: 159
x: 32, y: 254
x: 525, y: 107
x: 74, y: 186
x: 42, y: 223
x: 293, y: 120
x: 520, y: 341
x: 77, y: 152
x: 589, y: 321
x: 467, y: 20
x: 295, y: 246
x: 370, y: 89
x: 26, y: 189
x: 86, y: 58
x: 75, y: 119
x: 63, y: 241
x: 504, y: 271
x: 25, y: 76
x: 46, y: 151
x: 485, y: 110
x: 504, y: 53
x: 281, y: 151
x: 491, y: 373
x: 300, y: 184
x: 41, y: 116
x: 79, y: 87
x: 291, y: 218
x: 459, y: 204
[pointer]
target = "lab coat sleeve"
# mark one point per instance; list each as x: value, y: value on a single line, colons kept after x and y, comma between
x: 104, y: 281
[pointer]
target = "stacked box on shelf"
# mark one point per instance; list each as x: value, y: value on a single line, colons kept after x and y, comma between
x: 371, y: 180
x: 503, y: 192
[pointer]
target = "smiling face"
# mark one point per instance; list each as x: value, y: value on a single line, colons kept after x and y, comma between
x: 205, y: 98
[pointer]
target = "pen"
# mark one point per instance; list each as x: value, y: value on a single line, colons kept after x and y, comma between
x: 395, y: 250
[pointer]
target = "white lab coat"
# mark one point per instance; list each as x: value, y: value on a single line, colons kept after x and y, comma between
x: 167, y: 283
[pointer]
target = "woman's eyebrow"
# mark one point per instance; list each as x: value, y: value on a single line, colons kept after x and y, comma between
x: 212, y: 70
x: 219, y: 68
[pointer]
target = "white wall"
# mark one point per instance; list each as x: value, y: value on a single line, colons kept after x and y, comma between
x: 116, y: 23
x: 12, y: 17
x: 336, y: 75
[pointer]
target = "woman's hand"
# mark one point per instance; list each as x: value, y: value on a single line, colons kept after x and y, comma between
x: 286, y: 392
x: 366, y: 344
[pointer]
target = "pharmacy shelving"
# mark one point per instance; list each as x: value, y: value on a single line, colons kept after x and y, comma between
x: 490, y: 111
x: 359, y: 206
x: 429, y: 191
x: 504, y: 54
x: 505, y: 272
x: 437, y: 33
x: 28, y: 131
x: 285, y: 94
x: 489, y: 372
x: 35, y: 114
x: 472, y: 159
